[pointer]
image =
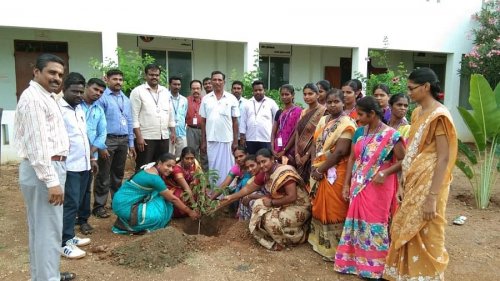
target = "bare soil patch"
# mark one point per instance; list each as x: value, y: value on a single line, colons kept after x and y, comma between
x: 232, y: 253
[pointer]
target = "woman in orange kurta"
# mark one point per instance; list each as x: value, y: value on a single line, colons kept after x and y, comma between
x: 417, y: 249
x: 332, y: 141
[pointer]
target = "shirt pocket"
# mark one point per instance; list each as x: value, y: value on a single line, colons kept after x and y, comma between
x: 225, y: 109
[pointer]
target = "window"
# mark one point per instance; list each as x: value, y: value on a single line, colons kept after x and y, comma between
x: 463, y: 98
x: 275, y: 71
x: 176, y: 64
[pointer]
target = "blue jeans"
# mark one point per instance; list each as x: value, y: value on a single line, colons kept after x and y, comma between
x: 84, y: 210
x: 74, y: 191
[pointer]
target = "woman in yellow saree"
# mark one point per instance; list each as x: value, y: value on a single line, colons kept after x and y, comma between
x: 417, y: 249
x: 332, y: 142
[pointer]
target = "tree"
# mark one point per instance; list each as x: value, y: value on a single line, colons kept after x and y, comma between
x: 484, y: 58
x: 132, y: 64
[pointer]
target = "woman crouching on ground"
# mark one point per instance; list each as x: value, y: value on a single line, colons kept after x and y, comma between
x: 147, y: 188
x: 279, y: 219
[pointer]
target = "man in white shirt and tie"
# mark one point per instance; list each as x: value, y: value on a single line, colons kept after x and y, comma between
x: 256, y: 122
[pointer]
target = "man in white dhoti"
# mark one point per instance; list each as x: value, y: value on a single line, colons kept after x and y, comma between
x: 219, y: 113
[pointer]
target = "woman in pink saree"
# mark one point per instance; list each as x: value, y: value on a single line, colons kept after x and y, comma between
x: 371, y: 186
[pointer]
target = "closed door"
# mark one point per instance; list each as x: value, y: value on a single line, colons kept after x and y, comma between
x: 25, y: 55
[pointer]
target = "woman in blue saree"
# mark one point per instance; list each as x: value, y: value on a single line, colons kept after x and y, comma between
x: 143, y: 203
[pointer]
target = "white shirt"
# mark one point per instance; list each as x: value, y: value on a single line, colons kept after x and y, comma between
x: 257, y: 119
x: 152, y: 112
x: 39, y: 132
x: 218, y: 115
x: 78, y: 159
x: 242, y: 101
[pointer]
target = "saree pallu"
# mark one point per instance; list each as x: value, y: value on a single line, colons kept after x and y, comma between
x: 417, y: 249
x: 283, y: 225
x: 305, y: 130
x: 329, y: 209
x: 365, y: 238
x: 404, y: 130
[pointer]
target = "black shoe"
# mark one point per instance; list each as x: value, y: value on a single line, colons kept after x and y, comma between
x: 101, y: 213
x: 65, y: 276
x: 86, y: 228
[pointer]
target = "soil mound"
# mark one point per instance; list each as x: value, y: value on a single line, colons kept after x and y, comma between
x: 155, y: 251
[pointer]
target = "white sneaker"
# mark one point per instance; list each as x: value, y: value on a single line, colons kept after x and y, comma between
x: 78, y: 241
x: 72, y: 252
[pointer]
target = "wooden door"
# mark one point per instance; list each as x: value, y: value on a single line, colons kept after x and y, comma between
x: 332, y: 74
x: 25, y: 55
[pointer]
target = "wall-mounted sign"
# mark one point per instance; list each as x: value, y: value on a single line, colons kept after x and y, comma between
x: 275, y: 50
x: 147, y: 39
x: 164, y: 43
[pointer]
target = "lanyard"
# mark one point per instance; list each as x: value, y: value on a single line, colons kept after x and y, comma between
x: 153, y: 97
x: 257, y: 110
x: 173, y: 104
x: 118, y: 104
x: 89, y: 110
x: 284, y: 118
x: 365, y: 137
x: 327, y: 131
x: 196, y: 106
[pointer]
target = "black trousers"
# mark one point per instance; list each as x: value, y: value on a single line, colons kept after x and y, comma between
x: 152, y: 151
x: 111, y: 170
x: 254, y: 146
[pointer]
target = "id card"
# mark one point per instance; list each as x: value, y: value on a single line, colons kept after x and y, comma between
x: 123, y: 121
x: 359, y: 178
x: 280, y: 142
x: 195, y: 121
x: 331, y: 175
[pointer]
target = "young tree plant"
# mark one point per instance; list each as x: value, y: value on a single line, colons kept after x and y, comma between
x: 204, y: 181
x: 484, y: 124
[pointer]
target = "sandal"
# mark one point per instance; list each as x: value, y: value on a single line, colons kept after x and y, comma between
x: 65, y: 276
x: 86, y: 229
x: 460, y: 220
x: 101, y: 213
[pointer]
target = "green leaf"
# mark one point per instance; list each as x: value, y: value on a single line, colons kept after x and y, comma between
x: 474, y: 128
x: 466, y: 169
x: 484, y: 106
x: 465, y: 149
x: 497, y: 95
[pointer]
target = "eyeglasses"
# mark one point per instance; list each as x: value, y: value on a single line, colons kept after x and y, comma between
x: 413, y: 88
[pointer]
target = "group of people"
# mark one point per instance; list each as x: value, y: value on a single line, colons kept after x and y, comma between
x: 349, y: 174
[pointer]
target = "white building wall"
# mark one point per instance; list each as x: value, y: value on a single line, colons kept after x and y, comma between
x: 411, y: 25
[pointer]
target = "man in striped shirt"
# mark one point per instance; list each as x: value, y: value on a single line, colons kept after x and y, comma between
x: 42, y: 142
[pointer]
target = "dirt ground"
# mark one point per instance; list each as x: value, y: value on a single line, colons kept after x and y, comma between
x: 232, y: 255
